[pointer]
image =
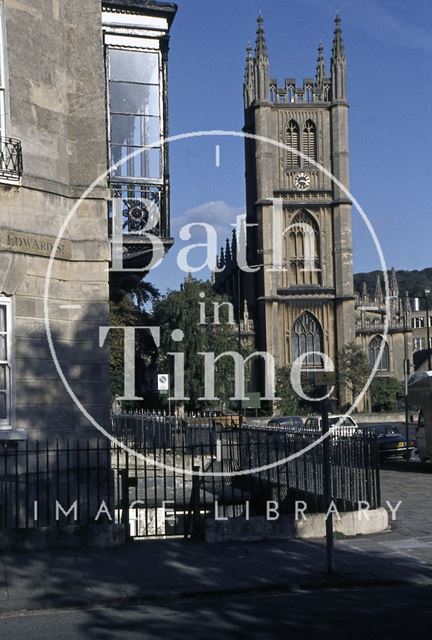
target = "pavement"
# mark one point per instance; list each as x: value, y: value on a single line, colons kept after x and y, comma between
x: 154, y: 571
x: 173, y: 569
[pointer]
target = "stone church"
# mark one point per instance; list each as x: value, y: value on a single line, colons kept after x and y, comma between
x: 308, y: 302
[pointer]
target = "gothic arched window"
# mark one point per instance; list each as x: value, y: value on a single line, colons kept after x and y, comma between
x: 303, y: 250
x: 307, y: 337
x: 374, y: 351
x: 292, y: 139
x: 309, y: 142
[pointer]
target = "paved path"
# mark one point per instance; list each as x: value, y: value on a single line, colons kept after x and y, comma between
x: 410, y: 536
x: 162, y: 570
x: 412, y: 483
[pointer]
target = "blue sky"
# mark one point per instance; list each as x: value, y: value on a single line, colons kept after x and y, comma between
x: 389, y: 52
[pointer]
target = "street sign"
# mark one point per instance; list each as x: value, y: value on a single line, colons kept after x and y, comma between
x: 163, y: 382
x: 324, y: 378
x: 253, y: 401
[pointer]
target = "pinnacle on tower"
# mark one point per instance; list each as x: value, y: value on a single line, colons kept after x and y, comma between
x: 245, y: 313
x: 394, y: 286
x: 234, y: 244
x: 248, y: 85
x: 261, y: 64
x: 378, y: 289
x: 260, y: 46
x: 320, y: 75
x: 364, y: 291
x: 338, y: 64
x: 338, y: 51
x: 227, y: 252
x: 249, y: 63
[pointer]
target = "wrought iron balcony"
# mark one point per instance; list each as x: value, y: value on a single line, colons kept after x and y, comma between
x: 137, y: 212
x: 141, y: 209
x: 11, y: 163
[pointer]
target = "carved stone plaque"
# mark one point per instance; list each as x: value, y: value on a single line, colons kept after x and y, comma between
x: 33, y: 244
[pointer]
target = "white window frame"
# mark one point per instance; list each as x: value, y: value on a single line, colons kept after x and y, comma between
x: 418, y: 344
x: 138, y: 45
x: 9, y: 420
x: 419, y: 322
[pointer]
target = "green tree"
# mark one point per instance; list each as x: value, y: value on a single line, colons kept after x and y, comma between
x: 385, y: 394
x: 181, y: 310
x: 353, y: 369
x: 130, y: 312
x: 288, y: 405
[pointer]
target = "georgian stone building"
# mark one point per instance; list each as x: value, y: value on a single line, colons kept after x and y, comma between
x: 308, y: 302
x: 82, y: 85
x: 421, y: 322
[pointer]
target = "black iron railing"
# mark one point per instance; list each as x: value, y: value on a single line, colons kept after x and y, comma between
x: 142, y: 211
x: 41, y: 481
x: 11, y: 162
x: 153, y: 492
x: 276, y: 472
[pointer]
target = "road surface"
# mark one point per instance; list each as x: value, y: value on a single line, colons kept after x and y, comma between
x: 384, y: 614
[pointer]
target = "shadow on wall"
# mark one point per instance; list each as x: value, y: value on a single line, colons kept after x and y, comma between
x: 43, y: 406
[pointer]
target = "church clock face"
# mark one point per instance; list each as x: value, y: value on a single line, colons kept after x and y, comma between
x: 302, y: 181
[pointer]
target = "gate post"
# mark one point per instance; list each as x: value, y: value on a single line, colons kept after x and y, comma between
x: 195, y: 503
x: 194, y: 507
x: 126, y: 482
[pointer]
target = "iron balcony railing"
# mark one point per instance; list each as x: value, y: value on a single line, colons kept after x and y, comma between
x: 142, y: 208
x: 11, y: 162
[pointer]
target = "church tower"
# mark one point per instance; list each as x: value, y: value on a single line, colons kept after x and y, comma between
x: 308, y: 303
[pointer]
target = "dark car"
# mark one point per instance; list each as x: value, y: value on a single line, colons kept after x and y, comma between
x: 293, y: 423
x: 391, y: 442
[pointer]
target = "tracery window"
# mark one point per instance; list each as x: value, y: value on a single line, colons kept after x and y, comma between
x: 307, y: 338
x: 292, y: 139
x: 309, y: 142
x: 374, y: 352
x: 304, y: 257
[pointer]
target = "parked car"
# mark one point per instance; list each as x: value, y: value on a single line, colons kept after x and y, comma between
x: 347, y: 426
x: 293, y: 423
x: 222, y: 417
x: 391, y: 442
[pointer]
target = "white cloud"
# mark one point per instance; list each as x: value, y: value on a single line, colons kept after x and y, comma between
x: 219, y: 214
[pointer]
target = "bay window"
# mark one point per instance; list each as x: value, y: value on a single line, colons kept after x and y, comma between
x: 134, y: 106
x: 136, y: 39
